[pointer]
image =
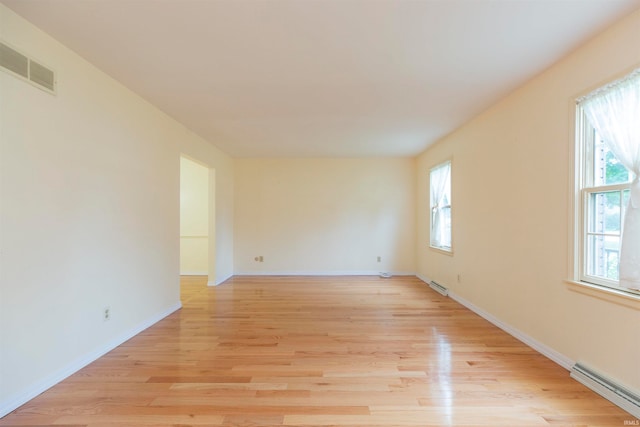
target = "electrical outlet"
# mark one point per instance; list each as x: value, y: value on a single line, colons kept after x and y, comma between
x: 261, y: 258
x: 379, y: 258
x: 106, y: 314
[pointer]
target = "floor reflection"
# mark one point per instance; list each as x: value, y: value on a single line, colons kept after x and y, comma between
x: 440, y: 371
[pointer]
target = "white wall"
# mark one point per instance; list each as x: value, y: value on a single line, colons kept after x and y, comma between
x: 194, y: 218
x: 89, y: 183
x: 325, y: 216
x: 512, y: 203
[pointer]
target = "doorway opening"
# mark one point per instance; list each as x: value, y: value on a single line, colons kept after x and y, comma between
x: 197, y: 224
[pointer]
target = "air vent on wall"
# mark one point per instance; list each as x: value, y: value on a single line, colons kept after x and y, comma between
x: 14, y: 61
x: 22, y: 66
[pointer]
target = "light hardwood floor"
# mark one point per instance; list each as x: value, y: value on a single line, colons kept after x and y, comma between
x: 320, y: 351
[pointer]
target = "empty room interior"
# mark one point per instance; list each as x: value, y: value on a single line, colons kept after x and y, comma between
x: 320, y: 213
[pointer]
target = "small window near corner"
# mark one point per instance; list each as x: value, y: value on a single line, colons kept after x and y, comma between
x: 440, y: 207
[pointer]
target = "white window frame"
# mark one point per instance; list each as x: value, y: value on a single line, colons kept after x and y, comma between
x: 432, y: 244
x: 584, y: 187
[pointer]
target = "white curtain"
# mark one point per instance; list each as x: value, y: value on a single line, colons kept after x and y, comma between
x: 614, y: 111
x: 440, y: 183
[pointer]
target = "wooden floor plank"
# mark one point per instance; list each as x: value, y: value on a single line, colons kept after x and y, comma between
x: 319, y: 351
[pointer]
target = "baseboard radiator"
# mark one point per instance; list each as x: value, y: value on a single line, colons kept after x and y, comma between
x: 439, y: 288
x: 624, y: 398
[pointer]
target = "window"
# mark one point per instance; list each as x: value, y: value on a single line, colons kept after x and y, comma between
x: 605, y: 194
x: 440, y: 206
x: 608, y: 153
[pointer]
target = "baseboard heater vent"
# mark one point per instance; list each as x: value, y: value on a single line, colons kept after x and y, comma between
x: 439, y: 288
x: 624, y: 398
x: 27, y: 69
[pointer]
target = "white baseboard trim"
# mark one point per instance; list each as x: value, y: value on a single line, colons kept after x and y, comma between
x: 625, y: 402
x: 543, y: 349
x: 324, y: 273
x: 425, y: 279
x: 19, y: 399
x: 611, y: 390
x: 194, y: 273
x: 220, y: 281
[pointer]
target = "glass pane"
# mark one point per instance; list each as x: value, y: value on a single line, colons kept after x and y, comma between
x: 607, y: 169
x: 441, y: 228
x: 440, y: 201
x: 612, y: 212
x: 604, y: 212
x: 446, y: 240
x: 595, y: 216
x: 626, y: 195
x: 603, y: 254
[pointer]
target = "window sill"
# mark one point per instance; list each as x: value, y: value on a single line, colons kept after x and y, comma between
x: 606, y: 294
x: 442, y: 251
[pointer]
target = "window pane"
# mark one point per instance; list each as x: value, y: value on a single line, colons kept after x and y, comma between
x: 440, y: 204
x: 446, y: 213
x: 603, y: 256
x: 626, y: 195
x: 604, y: 212
x: 607, y: 169
x: 612, y: 212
